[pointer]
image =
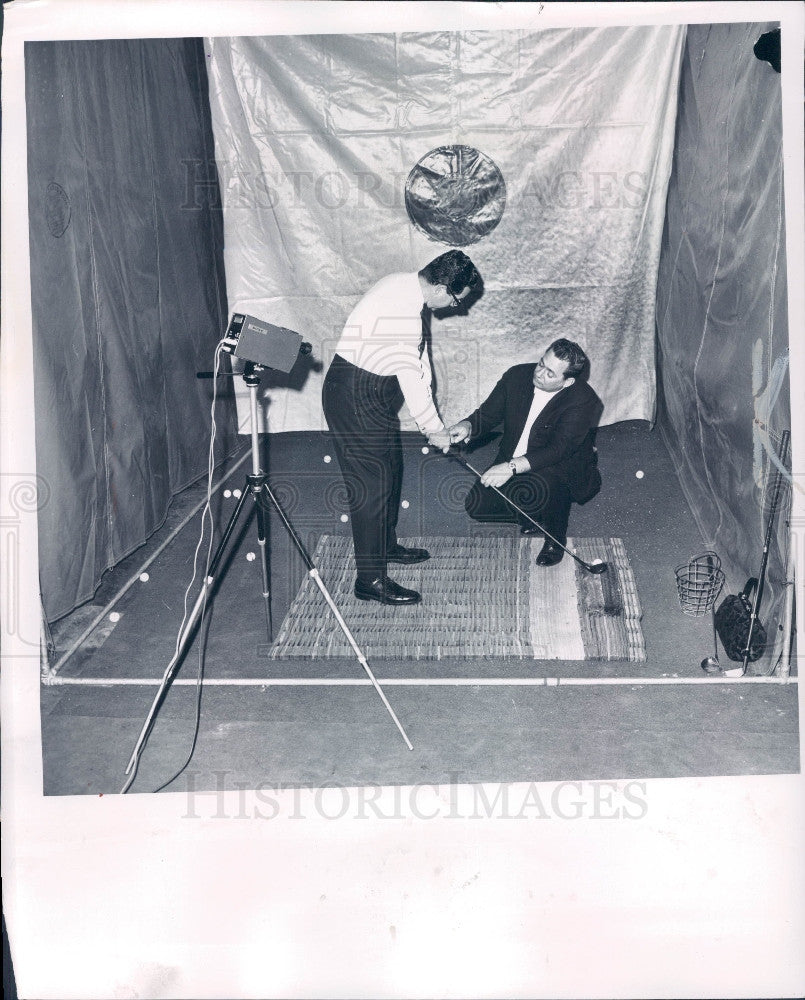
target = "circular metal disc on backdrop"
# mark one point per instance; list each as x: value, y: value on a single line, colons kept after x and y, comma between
x: 456, y: 195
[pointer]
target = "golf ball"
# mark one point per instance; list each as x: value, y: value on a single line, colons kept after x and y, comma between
x: 114, y: 617
x: 425, y: 451
x: 250, y: 557
x: 327, y: 458
x: 405, y: 505
x: 344, y: 518
x: 639, y: 474
x: 144, y: 577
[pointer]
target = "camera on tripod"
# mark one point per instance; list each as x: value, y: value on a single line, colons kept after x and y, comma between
x: 259, y: 345
x: 263, y: 344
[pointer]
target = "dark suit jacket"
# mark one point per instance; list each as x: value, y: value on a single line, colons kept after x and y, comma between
x: 563, y: 434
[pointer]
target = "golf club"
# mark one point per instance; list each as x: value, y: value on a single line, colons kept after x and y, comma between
x: 710, y: 664
x: 596, y: 566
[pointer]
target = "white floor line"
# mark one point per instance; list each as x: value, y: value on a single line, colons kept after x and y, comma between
x: 422, y: 681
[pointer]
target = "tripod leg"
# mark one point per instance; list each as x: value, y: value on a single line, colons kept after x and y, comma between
x: 183, y: 639
x: 167, y: 677
x: 261, y: 541
x: 314, y: 574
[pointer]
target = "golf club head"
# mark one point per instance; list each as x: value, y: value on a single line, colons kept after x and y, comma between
x: 710, y: 665
x: 596, y: 567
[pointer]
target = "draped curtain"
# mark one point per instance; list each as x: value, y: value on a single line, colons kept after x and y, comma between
x: 128, y: 295
x: 721, y: 314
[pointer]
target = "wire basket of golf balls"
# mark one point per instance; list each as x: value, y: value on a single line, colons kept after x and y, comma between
x: 698, y: 583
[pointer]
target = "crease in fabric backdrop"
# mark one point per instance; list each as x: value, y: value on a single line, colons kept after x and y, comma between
x: 316, y: 135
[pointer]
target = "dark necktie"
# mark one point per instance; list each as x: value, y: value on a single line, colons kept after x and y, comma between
x: 425, y: 317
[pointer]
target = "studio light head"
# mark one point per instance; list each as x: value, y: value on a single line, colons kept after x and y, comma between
x: 263, y: 344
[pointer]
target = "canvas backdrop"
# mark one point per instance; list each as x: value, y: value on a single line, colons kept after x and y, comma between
x: 316, y: 135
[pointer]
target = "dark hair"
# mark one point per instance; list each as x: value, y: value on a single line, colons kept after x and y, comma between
x: 570, y: 352
x: 453, y: 269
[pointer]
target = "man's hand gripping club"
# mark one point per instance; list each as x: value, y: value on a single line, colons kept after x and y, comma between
x: 495, y: 475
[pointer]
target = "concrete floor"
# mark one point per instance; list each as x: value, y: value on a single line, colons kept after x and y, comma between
x: 264, y: 734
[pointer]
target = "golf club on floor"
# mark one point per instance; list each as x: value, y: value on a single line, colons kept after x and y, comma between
x: 596, y: 566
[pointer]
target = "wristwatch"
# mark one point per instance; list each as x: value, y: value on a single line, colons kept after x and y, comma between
x: 513, y: 467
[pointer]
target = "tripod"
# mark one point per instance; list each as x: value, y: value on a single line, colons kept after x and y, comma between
x: 258, y: 489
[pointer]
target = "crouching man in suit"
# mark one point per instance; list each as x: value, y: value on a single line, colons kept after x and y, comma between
x: 546, y: 460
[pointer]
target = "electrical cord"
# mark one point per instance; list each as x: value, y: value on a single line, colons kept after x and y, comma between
x: 205, y: 515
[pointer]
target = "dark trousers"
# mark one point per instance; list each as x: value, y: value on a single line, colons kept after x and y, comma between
x: 544, y: 495
x: 361, y: 410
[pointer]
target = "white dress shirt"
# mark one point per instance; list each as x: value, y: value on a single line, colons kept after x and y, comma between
x: 382, y: 335
x: 538, y: 404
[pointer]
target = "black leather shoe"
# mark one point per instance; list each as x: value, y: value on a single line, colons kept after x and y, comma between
x: 531, y: 529
x: 400, y: 554
x: 386, y: 592
x: 550, y: 554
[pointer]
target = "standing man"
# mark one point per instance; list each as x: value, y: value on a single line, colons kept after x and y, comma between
x: 380, y: 360
x: 546, y: 459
